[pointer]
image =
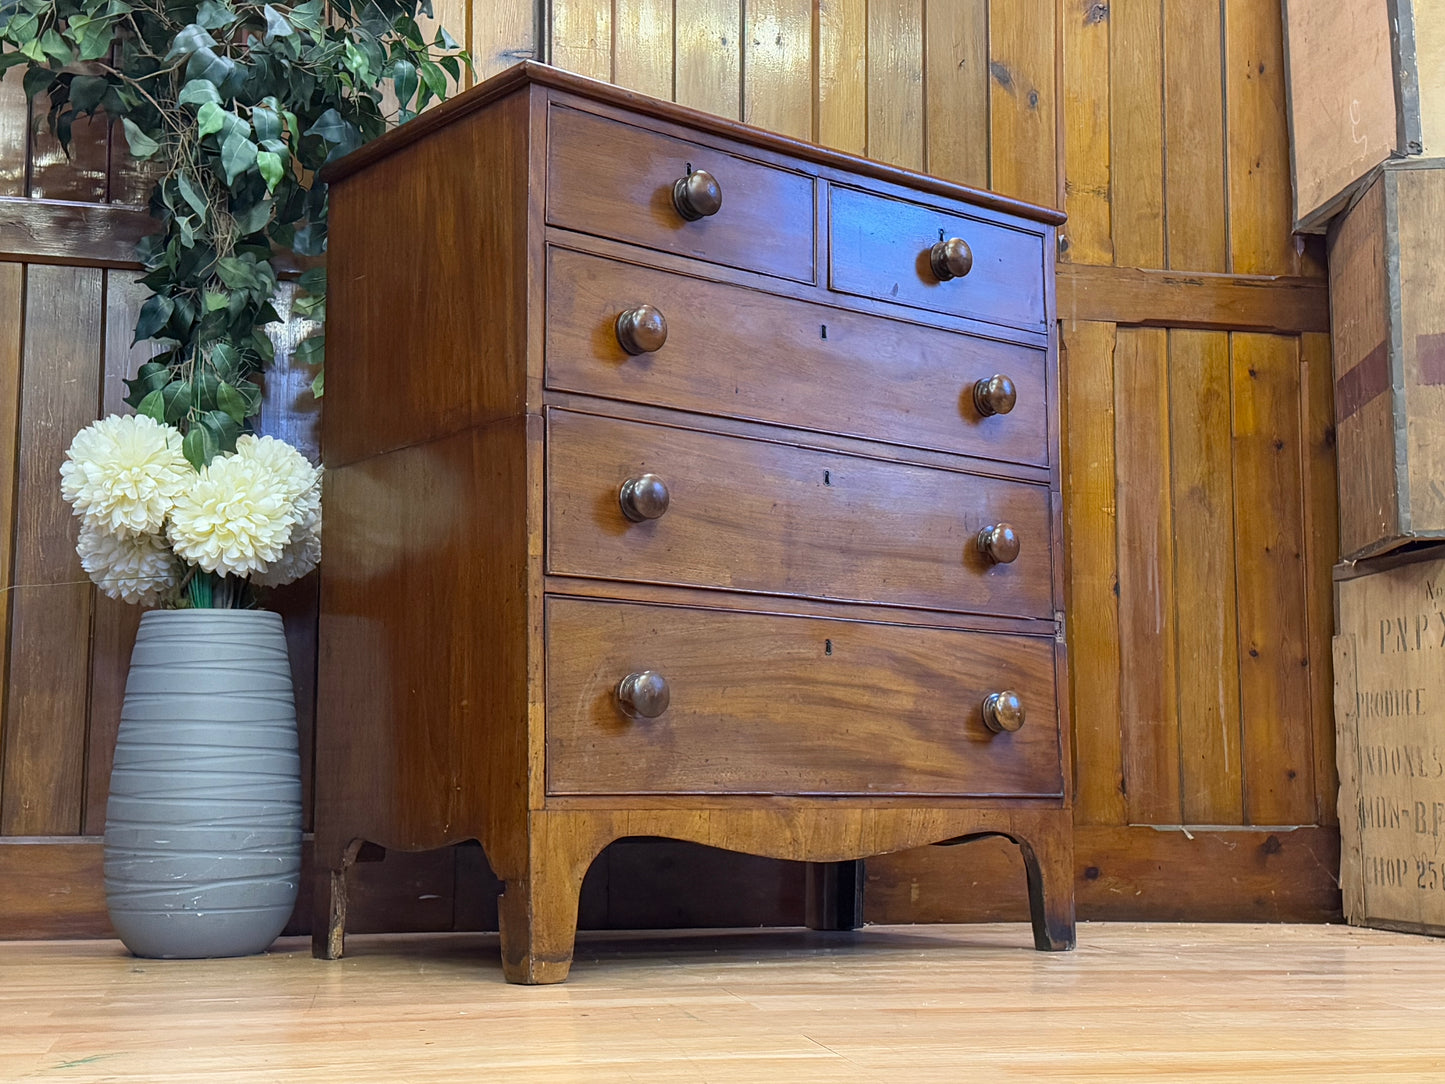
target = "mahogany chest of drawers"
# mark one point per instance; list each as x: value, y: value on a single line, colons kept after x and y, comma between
x: 682, y: 480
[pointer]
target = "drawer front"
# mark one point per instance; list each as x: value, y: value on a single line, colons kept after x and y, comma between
x: 750, y: 515
x: 764, y: 704
x: 745, y: 354
x: 612, y: 179
x: 879, y: 247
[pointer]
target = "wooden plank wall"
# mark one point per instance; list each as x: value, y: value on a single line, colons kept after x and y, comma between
x: 1198, y: 429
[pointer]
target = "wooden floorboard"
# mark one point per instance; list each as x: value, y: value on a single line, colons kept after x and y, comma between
x: 1163, y: 1001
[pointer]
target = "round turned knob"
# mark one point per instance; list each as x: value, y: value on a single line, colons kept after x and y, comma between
x: 645, y: 695
x: 951, y: 259
x: 994, y: 395
x: 643, y: 497
x: 999, y: 543
x: 697, y: 195
x: 642, y: 330
x: 1003, y: 711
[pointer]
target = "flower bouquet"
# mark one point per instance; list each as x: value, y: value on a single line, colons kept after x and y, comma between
x: 155, y: 530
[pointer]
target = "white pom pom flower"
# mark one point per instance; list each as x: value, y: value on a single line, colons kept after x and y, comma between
x: 122, y: 474
x: 235, y: 519
x: 138, y: 569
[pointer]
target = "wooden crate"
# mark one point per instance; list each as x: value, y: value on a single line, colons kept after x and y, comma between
x: 1366, y: 83
x: 1387, y: 316
x: 1390, y: 729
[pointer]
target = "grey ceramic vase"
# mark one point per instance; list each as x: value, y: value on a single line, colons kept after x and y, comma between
x: 203, y: 826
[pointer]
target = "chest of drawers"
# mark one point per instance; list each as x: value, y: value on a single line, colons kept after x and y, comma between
x: 682, y: 480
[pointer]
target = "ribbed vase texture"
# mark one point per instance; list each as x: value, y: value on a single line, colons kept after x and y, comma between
x: 203, y: 826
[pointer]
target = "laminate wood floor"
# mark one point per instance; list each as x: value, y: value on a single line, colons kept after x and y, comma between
x: 901, y: 1003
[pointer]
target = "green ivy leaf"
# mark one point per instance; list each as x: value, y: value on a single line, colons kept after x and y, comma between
x: 190, y: 39
x: 56, y: 47
x: 276, y: 25
x: 214, y: 16
x: 93, y: 37
x: 37, y: 80
x: 176, y: 401
x: 266, y: 122
x: 313, y: 281
x: 318, y: 386
x: 270, y: 166
x: 212, y: 300
x: 154, y: 315
x: 212, y: 67
x: 220, y: 425
x: 356, y: 61
x: 200, y: 446
x: 199, y: 92
x: 238, y: 274
x: 141, y: 145
x: 238, y: 154
x: 254, y: 218
x: 232, y: 402
x: 153, y: 406
x: 311, y: 351
x: 311, y: 307
x: 86, y: 91
x: 209, y: 119
x: 404, y: 79
x: 151, y: 376
x: 191, y: 194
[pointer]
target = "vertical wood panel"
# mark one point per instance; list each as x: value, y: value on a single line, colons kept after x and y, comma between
x: 642, y: 46
x: 1322, y: 549
x: 44, y: 775
x: 1194, y: 136
x: 500, y: 34
x: 841, y: 111
x: 12, y: 323
x: 114, y: 623
x: 13, y: 115
x: 895, y: 82
x: 709, y: 55
x: 1260, y: 208
x: 1022, y: 138
x: 85, y: 175
x: 1087, y: 237
x: 1092, y: 572
x: 778, y: 66
x: 956, y: 89
x: 1136, y: 113
x: 1279, y: 776
x: 582, y: 37
x: 1147, y: 704
x: 1204, y: 578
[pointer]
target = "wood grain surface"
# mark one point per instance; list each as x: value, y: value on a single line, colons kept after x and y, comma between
x: 824, y: 368
x: 778, y: 705
x: 775, y: 518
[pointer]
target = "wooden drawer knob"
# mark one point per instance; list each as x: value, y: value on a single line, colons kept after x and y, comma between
x: 1003, y: 711
x: 643, y: 695
x: 642, y: 330
x: 697, y: 195
x: 643, y: 497
x: 951, y: 259
x: 999, y: 543
x: 994, y: 395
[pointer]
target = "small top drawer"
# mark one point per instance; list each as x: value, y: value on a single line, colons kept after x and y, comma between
x: 881, y: 248
x: 615, y: 180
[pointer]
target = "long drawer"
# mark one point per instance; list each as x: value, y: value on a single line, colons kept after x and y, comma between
x: 613, y: 179
x: 745, y: 354
x: 767, y: 704
x: 751, y: 515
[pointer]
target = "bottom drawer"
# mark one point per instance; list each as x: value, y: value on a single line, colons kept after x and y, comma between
x: 767, y: 704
